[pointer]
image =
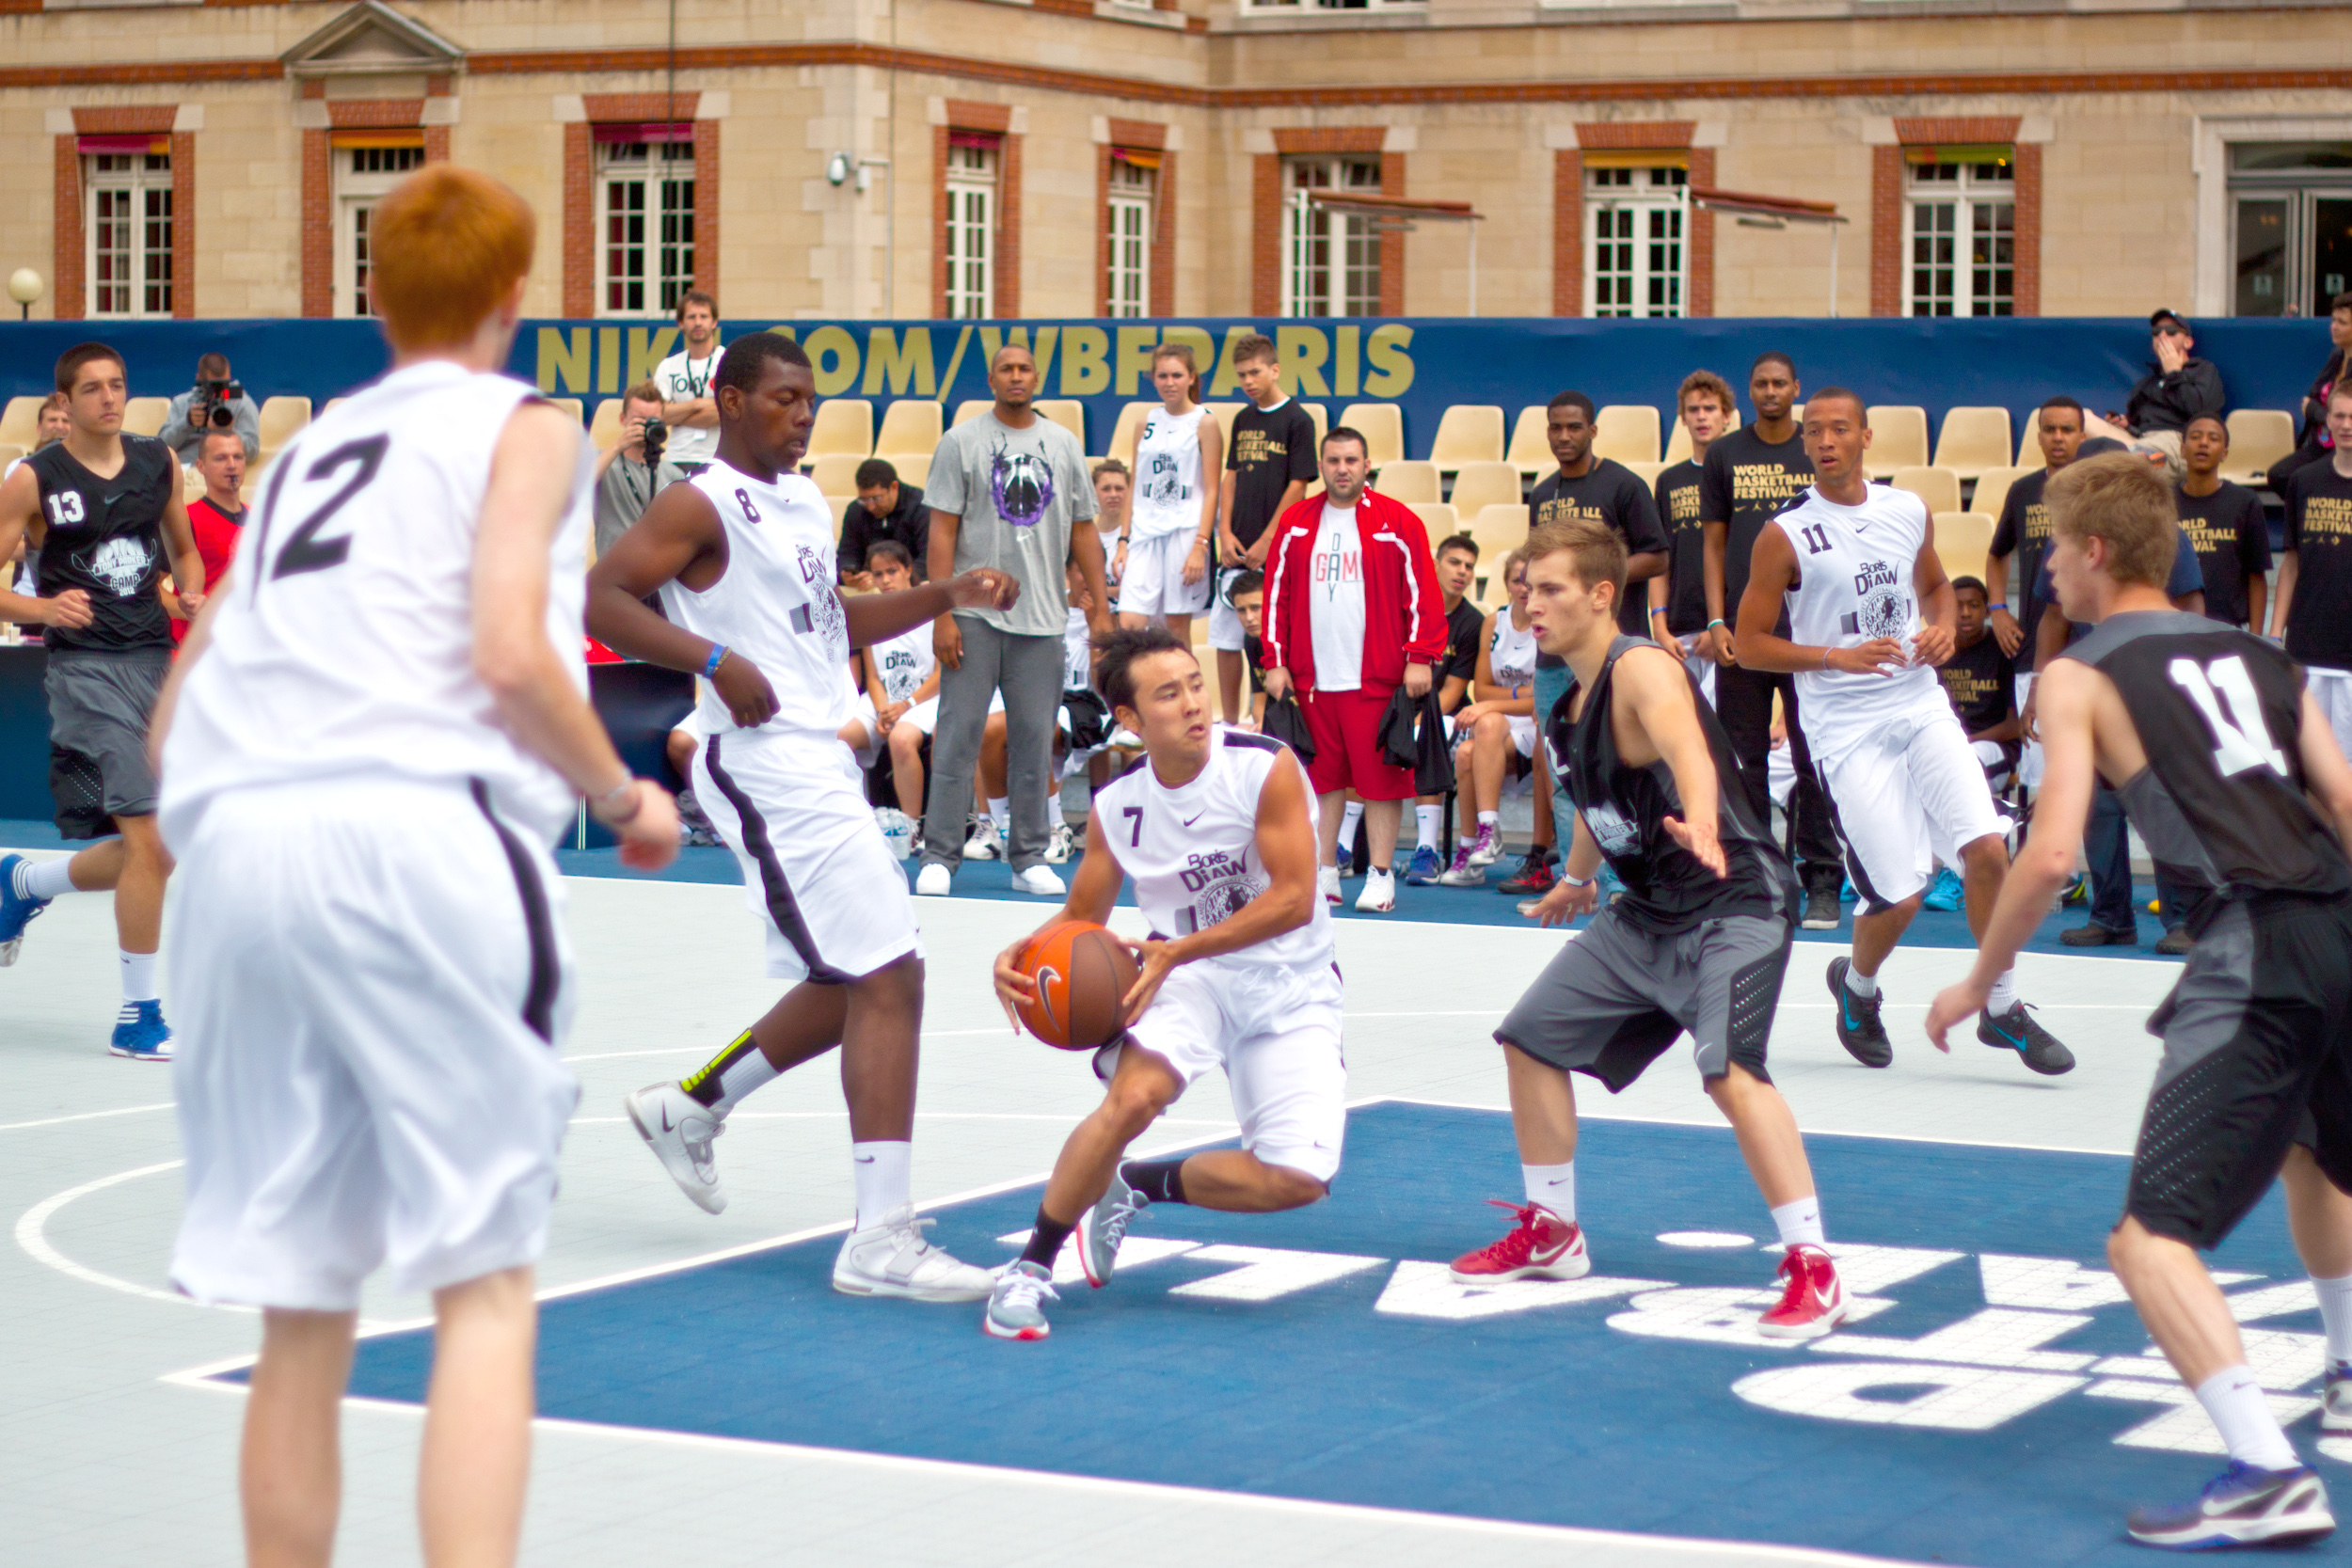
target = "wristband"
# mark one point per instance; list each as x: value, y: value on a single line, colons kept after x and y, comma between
x: 623, y: 793
x: 711, y: 665
x: 1825, y: 659
x: 2003, y: 607
x: 1712, y: 625
x: 1574, y: 882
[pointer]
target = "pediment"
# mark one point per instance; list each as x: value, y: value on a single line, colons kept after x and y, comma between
x: 372, y: 39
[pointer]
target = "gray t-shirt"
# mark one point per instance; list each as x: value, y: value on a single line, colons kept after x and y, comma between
x: 623, y: 494
x: 1017, y: 492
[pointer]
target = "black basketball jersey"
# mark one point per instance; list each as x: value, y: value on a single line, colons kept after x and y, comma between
x: 2219, y: 714
x: 1667, y: 889
x: 105, y: 536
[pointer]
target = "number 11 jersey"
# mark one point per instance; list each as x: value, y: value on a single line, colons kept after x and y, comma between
x: 342, y: 651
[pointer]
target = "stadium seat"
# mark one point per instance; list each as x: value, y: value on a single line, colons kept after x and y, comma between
x: 1678, y: 441
x: 1223, y: 412
x: 1973, y: 440
x: 840, y: 504
x: 9, y: 452
x: 1468, y: 432
x: 1128, y: 431
x: 1382, y: 426
x: 913, y: 468
x: 573, y: 406
x: 145, y: 416
x: 1961, y: 541
x: 1530, y: 441
x: 192, y: 483
x: 1478, y: 486
x: 2029, y: 451
x: 1498, y: 530
x: 283, y: 419
x: 1648, y: 472
x: 835, y: 473
x: 845, y: 426
x: 1993, y: 489
x: 1437, y: 520
x: 1626, y: 432
x: 1938, y: 487
x: 1069, y: 412
x: 2258, y: 438
x: 1315, y: 411
x: 604, y: 425
x: 19, y: 425
x: 972, y: 408
x: 1899, y: 439
x: 333, y: 403
x: 910, y: 428
x: 1409, y: 481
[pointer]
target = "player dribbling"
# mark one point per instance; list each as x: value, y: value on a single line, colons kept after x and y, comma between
x: 1218, y: 829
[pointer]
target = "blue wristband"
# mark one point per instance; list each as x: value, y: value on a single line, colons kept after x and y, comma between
x: 711, y: 665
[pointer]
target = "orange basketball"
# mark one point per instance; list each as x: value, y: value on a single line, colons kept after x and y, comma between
x: 1082, y: 972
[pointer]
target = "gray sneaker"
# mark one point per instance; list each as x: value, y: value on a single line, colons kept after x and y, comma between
x: 1102, y: 1227
x: 1015, y: 1309
x: 2335, y: 1401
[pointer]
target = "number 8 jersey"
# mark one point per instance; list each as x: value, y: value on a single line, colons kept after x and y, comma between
x: 2220, y: 715
x: 342, y: 649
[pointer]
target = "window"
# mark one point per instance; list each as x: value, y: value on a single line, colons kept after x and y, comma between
x: 645, y: 215
x: 971, y: 238
x: 1135, y: 184
x: 130, y: 234
x: 1334, y: 266
x: 363, y: 176
x: 1634, y: 257
x: 1960, y: 225
x: 2292, y: 212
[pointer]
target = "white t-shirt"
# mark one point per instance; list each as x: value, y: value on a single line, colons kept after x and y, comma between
x: 679, y: 379
x: 1078, y: 652
x: 905, y: 663
x: 1335, y: 602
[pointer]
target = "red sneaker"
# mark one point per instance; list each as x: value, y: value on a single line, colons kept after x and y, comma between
x: 1543, y: 1246
x: 1813, y: 1302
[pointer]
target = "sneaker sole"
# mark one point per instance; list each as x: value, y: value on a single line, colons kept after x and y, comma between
x: 1566, y: 1269
x: 139, y: 1056
x: 1014, y: 1335
x: 1085, y: 1237
x: 884, y: 1290
x: 1819, y: 1328
x: 2214, y: 1533
x: 693, y: 1189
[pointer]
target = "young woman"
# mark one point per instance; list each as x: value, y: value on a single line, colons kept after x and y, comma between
x: 1163, y: 557
x: 1497, y: 723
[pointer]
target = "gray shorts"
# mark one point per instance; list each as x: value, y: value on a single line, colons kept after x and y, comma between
x: 99, y: 708
x: 1616, y: 997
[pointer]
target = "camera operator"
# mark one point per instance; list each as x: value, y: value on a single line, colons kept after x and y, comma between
x: 216, y: 401
x: 633, y: 471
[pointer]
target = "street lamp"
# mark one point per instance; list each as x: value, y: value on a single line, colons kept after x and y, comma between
x: 26, y: 286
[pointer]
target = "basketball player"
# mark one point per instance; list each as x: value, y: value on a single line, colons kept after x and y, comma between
x: 1873, y: 613
x: 372, y: 735
x: 1699, y: 941
x: 2227, y: 762
x: 742, y: 556
x: 1218, y: 829
x: 1162, y: 556
x: 101, y: 508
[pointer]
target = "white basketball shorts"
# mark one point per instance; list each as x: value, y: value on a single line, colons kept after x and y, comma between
x: 1155, y: 583
x: 1900, y: 802
x: 1225, y: 629
x: 2028, y: 752
x: 831, y: 896
x: 2332, y: 690
x: 1276, y: 1032
x: 369, y: 984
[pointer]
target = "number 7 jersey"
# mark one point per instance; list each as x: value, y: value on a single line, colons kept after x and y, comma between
x: 342, y: 649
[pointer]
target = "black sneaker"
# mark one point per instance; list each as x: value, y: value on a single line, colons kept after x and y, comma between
x: 1822, y: 911
x: 1858, y: 1027
x: 2096, y: 935
x: 2015, y: 1030
x: 2176, y: 942
x: 1533, y: 876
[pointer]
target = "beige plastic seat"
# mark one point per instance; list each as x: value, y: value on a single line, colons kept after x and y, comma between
x: 1938, y: 487
x: 1899, y: 438
x: 835, y: 473
x: 604, y: 426
x: 1468, y: 432
x: 1626, y: 432
x: 1409, y: 480
x: 912, y: 468
x: 1479, y: 485
x: 1678, y: 440
x: 145, y: 416
x: 1498, y: 530
x: 972, y: 408
x: 1437, y: 520
x: 333, y: 403
x: 910, y: 427
x: 1648, y: 472
x: 1223, y: 414
x: 1530, y: 441
x: 845, y: 427
x: 1993, y: 490
x: 573, y: 406
x: 283, y: 419
x: 1973, y: 440
x: 20, y: 424
x: 2258, y: 438
x: 1069, y: 412
x: 2030, y: 450
x: 1960, y: 540
x: 192, y: 483
x: 840, y: 504
x: 9, y: 452
x: 1315, y: 411
x: 1128, y: 431
x: 1382, y: 426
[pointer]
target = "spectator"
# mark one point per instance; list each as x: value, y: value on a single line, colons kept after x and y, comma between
x: 2314, y: 613
x: 2314, y: 445
x: 1164, y: 552
x: 2177, y: 387
x: 1352, y: 614
x: 1677, y: 595
x: 884, y: 510
x: 2226, y: 524
x: 634, y: 470
x: 216, y: 518
x: 1009, y: 490
x: 1271, y: 463
x: 902, y: 705
x: 2022, y: 534
x: 1113, y: 488
x: 1981, y: 681
x: 216, y: 401
x: 1248, y: 595
x: 1495, y: 728
x: 687, y: 405
x: 1458, y: 669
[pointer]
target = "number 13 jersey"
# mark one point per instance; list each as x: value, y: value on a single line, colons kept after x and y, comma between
x: 342, y: 649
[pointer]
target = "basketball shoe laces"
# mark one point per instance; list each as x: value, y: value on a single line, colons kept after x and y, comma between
x: 1019, y: 1288
x: 1514, y: 1250
x: 1797, y: 1269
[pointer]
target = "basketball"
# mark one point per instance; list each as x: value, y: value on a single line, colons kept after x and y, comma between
x: 1081, y: 972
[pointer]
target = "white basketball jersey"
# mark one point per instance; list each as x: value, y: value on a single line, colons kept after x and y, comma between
x: 1167, y: 474
x: 343, y: 648
x: 1854, y: 566
x: 1078, y: 652
x: 905, y: 662
x: 1511, y: 653
x: 775, y: 603
x: 1193, y: 852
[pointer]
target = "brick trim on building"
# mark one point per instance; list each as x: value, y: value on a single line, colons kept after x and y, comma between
x: 1143, y: 135
x: 1887, y: 231
x: 1265, y: 233
x: 67, y: 299
x: 1567, y: 206
x: 1568, y: 232
x: 318, y: 176
x: 579, y: 221
x: 1392, y: 240
x: 993, y: 119
x: 2027, y: 288
x: 578, y: 247
x: 1700, y: 254
x: 1265, y: 210
x: 1886, y: 204
x: 1634, y: 135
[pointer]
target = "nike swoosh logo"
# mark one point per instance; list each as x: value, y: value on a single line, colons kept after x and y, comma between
x: 665, y: 1119
x: 1195, y: 817
x: 863, y: 1159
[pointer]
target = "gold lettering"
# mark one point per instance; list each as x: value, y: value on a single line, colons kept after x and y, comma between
x: 1392, y: 367
x: 1227, y: 379
x: 608, y: 358
x: 836, y: 344
x: 1345, y: 376
x: 903, y: 365
x: 1084, y: 361
x: 1131, y: 374
x: 1301, y: 352
x: 562, y: 361
x: 647, y: 348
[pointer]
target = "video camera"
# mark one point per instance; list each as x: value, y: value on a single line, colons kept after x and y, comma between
x: 656, y: 436
x: 216, y: 396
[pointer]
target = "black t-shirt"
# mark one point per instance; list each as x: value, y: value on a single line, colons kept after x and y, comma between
x: 1744, y: 484
x: 1463, y: 623
x: 909, y: 524
x: 1270, y: 447
x: 105, y: 536
x: 1981, y: 681
x: 1253, y: 655
x: 2024, y: 531
x: 2232, y: 544
x: 1678, y: 497
x: 2319, y: 530
x: 1608, y: 492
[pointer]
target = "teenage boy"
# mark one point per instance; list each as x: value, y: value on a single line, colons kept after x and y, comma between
x: 1269, y: 464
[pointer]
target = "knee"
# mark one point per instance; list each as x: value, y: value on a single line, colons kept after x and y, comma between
x: 1287, y: 1187
x: 897, y: 985
x: 1492, y: 726
x: 1986, y: 856
x: 906, y: 743
x: 1132, y: 1107
x: 2130, y: 1247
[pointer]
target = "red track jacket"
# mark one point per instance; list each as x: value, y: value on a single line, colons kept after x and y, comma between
x: 1404, y: 610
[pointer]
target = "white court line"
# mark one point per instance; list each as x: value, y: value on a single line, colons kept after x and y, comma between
x: 31, y: 1225
x: 84, y: 1116
x: 1808, y: 1132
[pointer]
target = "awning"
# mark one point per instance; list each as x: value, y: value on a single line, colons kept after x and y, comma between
x: 1786, y: 207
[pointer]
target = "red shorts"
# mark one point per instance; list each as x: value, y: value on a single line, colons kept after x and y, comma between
x: 1345, y: 726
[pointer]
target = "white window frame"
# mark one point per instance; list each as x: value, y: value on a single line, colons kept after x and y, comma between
x: 970, y: 242
x: 1969, y: 197
x: 1133, y: 201
x: 655, y: 258
x: 363, y: 177
x: 1331, y: 260
x: 1637, y: 241
x: 132, y: 189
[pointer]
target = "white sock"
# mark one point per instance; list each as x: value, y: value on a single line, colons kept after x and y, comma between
x: 1490, y: 819
x: 2002, y: 996
x: 884, y: 1179
x: 1553, y: 1186
x: 45, y: 879
x: 2335, y: 1312
x: 1860, y: 984
x: 722, y: 1082
x: 1348, y: 821
x: 1429, y: 821
x: 1000, y: 811
x: 1799, y: 1222
x: 138, y: 977
x: 2243, y: 1416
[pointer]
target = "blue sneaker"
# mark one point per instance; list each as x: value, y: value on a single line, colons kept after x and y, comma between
x: 2241, y: 1507
x: 2015, y: 1030
x: 1425, y: 869
x: 141, y: 1033
x: 16, y: 910
x: 1945, y: 893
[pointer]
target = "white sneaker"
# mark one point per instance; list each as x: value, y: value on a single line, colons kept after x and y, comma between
x: 1379, y: 894
x: 1041, y: 880
x: 892, y: 1258
x: 986, y: 839
x: 934, y: 881
x: 1328, y: 882
x: 1061, y: 844
x: 679, y: 1129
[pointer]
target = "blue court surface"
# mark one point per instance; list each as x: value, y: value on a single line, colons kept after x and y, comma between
x: 1992, y: 1405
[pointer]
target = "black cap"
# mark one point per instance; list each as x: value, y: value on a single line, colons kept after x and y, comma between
x: 2160, y: 317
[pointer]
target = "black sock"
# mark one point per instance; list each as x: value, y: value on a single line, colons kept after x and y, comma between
x: 1046, y: 1239
x: 1161, y: 1180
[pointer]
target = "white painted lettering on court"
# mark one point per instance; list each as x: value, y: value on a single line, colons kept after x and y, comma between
x: 1418, y: 1289
x: 1954, y: 1398
x: 1267, y: 1273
